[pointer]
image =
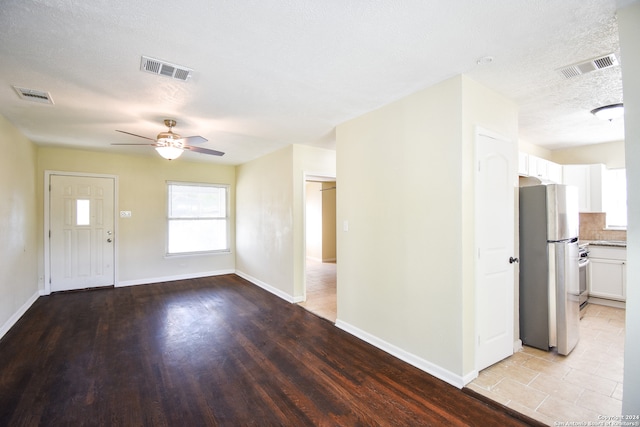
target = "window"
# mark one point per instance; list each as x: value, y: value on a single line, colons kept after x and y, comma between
x: 614, y: 197
x: 198, y: 218
x: 83, y: 212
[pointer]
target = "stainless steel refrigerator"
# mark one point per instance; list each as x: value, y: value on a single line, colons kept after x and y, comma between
x: 549, y: 276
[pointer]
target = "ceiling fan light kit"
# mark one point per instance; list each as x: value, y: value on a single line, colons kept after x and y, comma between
x: 609, y: 112
x: 169, y: 152
x: 170, y: 145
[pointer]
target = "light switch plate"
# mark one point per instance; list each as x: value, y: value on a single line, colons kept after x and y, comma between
x: 125, y: 214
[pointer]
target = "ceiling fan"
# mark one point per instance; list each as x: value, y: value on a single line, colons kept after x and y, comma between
x: 170, y: 145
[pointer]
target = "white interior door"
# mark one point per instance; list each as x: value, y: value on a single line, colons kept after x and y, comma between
x: 81, y: 220
x: 495, y: 195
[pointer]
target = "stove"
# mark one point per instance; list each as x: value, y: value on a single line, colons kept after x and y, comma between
x: 583, y: 263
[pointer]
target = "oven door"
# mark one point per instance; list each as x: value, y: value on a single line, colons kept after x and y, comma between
x: 583, y: 275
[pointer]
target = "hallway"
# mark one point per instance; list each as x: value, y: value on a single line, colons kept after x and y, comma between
x: 321, y: 289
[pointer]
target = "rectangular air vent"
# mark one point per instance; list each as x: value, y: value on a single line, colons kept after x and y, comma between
x: 589, y: 66
x: 33, y: 95
x: 163, y: 68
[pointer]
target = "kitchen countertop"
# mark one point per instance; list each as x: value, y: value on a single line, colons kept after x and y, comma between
x: 614, y: 243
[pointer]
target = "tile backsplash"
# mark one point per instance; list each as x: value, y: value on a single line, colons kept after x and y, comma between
x: 592, y: 227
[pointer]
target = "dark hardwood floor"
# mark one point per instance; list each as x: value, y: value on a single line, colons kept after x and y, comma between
x: 211, y: 351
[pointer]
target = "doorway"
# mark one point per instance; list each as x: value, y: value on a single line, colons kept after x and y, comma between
x: 80, y: 225
x: 320, y: 247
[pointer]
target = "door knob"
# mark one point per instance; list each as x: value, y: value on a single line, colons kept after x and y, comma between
x: 109, y: 240
x: 512, y: 260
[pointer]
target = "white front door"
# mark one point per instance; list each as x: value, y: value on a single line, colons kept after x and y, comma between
x: 81, y: 220
x: 496, y: 184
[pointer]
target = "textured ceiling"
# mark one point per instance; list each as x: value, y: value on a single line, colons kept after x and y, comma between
x: 268, y: 73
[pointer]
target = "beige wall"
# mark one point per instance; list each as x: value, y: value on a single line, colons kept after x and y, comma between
x: 264, y: 207
x: 141, y: 239
x: 610, y: 154
x: 270, y: 220
x: 535, y: 150
x: 18, y: 225
x: 406, y: 268
x: 629, y: 32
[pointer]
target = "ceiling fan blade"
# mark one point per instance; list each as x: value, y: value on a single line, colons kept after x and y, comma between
x: 153, y: 145
x: 194, y: 140
x: 133, y: 134
x: 204, y: 150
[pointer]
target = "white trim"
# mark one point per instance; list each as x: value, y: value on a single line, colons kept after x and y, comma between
x: 18, y: 314
x: 517, y: 346
x: 607, y: 302
x: 277, y: 292
x: 309, y: 176
x: 412, y: 359
x: 152, y: 280
x: 478, y: 132
x: 469, y: 377
x: 226, y: 218
x: 47, y: 195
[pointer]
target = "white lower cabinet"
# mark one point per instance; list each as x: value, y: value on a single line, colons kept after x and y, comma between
x: 608, y: 272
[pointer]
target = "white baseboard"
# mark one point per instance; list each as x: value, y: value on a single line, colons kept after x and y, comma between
x: 18, y: 314
x: 517, y: 346
x: 412, y: 359
x: 151, y: 280
x: 269, y: 288
x: 469, y: 377
x: 607, y: 302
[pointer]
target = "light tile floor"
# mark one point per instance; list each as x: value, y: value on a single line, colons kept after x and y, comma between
x: 579, y: 387
x: 321, y: 289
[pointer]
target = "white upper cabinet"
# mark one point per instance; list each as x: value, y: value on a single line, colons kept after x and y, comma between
x: 529, y: 165
x: 554, y: 171
x: 588, y: 179
x: 538, y: 167
x: 523, y: 164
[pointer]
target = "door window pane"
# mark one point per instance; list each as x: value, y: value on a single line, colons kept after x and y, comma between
x: 83, y: 212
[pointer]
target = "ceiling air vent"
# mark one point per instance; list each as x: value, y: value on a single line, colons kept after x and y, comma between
x: 34, y: 95
x: 589, y: 66
x: 164, y: 68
